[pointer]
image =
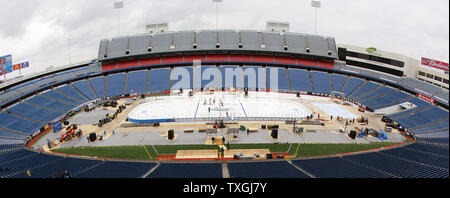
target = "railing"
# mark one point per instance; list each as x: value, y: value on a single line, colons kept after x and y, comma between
x: 225, y: 119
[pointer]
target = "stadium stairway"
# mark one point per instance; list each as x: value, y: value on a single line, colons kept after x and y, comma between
x: 92, y: 88
x: 331, y: 83
x: 84, y: 88
x: 376, y: 93
x: 125, y: 83
x: 288, y: 79
x: 311, y: 81
x: 356, y: 89
x: 394, y: 103
x: 79, y: 100
x: 60, y: 100
x: 27, y: 118
x: 345, y: 84
x: 403, y: 115
x: 367, y: 93
x: 429, y: 124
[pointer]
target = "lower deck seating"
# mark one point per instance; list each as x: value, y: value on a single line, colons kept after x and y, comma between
x: 18, y: 124
x: 321, y: 82
x: 338, y: 82
x: 423, y: 117
x: 231, y: 77
x: 98, y: 84
x: 112, y: 169
x: 397, y: 167
x: 70, y: 91
x: 84, y: 87
x: 159, y: 80
x: 54, y: 105
x: 56, y: 170
x: 352, y: 84
x: 187, y: 170
x: 137, y: 82
x: 280, y: 169
x: 256, y: 82
x: 33, y: 112
x: 210, y: 77
x: 337, y: 167
x: 300, y: 80
x: 115, y: 84
x: 182, y: 77
x: 416, y: 101
x: 5, y: 134
x: 363, y: 90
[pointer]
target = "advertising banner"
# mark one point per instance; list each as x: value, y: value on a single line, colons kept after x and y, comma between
x: 6, y: 64
x: 426, y: 98
x: 434, y: 63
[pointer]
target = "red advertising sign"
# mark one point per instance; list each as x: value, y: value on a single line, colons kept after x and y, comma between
x: 426, y: 98
x: 435, y: 63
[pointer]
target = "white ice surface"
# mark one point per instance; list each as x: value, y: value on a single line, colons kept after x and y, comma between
x: 335, y: 110
x: 257, y: 104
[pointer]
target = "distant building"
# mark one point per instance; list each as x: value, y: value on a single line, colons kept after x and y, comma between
x: 428, y: 70
x: 277, y: 26
x: 434, y: 72
x: 157, y: 27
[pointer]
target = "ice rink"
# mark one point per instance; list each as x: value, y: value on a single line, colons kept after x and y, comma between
x: 221, y: 105
x: 335, y: 110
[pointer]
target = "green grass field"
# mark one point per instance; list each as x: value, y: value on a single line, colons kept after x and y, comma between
x: 150, y: 152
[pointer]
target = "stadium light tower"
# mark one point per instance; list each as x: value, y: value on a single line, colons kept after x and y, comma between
x: 70, y: 59
x: 315, y: 4
x: 217, y: 11
x: 117, y: 6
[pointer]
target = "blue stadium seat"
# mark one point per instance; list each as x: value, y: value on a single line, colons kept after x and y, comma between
x: 209, y: 83
x: 61, y: 97
x: 115, y: 84
x: 18, y: 124
x: 351, y: 85
x: 112, y: 169
x: 159, y: 80
x: 33, y: 112
x: 321, y: 82
x: 84, y: 87
x: 188, y: 170
x: 180, y: 82
x: 300, y: 80
x: 137, y: 82
x: 230, y: 71
x: 5, y: 134
x: 397, y: 167
x: 363, y: 90
x: 338, y: 81
x: 70, y: 91
x: 337, y: 167
x: 98, y: 84
x: 259, y: 77
x: 280, y: 169
x: 50, y: 103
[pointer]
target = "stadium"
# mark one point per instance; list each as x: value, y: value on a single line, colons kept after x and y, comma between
x: 223, y: 104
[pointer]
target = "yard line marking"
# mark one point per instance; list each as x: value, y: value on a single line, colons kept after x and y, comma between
x: 155, y: 150
x: 289, y: 148
x: 149, y: 156
x: 297, y: 149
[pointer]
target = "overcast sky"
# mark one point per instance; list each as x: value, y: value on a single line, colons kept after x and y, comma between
x: 38, y: 31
